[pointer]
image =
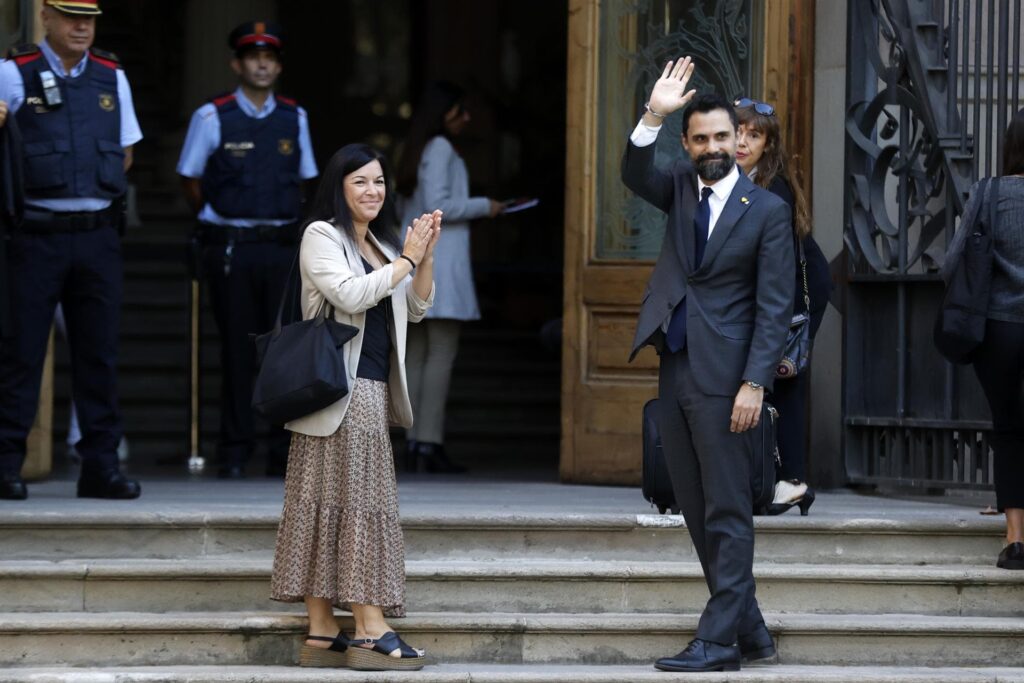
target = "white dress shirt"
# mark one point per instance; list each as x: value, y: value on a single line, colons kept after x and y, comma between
x: 644, y: 135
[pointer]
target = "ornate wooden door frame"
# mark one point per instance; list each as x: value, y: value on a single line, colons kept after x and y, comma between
x: 602, y: 396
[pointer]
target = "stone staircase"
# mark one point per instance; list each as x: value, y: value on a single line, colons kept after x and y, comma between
x: 179, y: 594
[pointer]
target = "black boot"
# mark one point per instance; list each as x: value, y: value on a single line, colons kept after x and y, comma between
x: 435, y: 460
x: 12, y: 487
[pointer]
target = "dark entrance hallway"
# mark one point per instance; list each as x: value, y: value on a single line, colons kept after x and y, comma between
x: 358, y: 68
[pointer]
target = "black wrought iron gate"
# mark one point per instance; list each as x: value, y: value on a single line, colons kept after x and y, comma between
x: 930, y: 87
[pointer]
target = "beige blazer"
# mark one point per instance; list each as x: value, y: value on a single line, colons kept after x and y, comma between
x: 332, y: 268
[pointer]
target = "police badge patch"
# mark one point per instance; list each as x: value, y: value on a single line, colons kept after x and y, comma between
x: 106, y: 102
x: 285, y: 146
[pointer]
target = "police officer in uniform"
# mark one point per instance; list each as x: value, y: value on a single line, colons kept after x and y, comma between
x: 74, y: 107
x: 243, y: 163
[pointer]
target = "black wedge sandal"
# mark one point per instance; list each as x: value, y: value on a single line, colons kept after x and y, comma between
x: 333, y: 656
x: 379, y: 657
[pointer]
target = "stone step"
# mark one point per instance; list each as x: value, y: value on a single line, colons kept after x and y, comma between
x: 115, y: 530
x: 237, y: 585
x: 512, y: 673
x: 133, y: 639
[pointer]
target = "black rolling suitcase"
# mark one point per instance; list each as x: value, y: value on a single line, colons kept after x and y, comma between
x: 656, y: 487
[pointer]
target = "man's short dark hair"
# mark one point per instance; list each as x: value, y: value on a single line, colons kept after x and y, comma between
x: 703, y: 103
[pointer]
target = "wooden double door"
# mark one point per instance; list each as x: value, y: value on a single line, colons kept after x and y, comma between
x: 616, y: 50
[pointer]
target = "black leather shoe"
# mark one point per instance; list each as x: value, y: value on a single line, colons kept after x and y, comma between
x: 1012, y: 556
x: 231, y: 472
x: 112, y: 485
x: 702, y: 655
x: 757, y: 644
x: 12, y: 487
x: 436, y: 460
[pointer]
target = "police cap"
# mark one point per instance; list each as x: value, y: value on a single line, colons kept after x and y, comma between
x: 91, y: 7
x: 255, y: 34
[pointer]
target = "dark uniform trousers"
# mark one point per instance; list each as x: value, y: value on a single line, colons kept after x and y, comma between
x: 245, y: 298
x: 82, y: 271
x: 709, y: 467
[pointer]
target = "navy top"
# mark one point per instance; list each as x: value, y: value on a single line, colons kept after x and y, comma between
x: 819, y: 279
x: 375, y: 358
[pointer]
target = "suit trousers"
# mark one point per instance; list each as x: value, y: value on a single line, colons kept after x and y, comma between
x: 245, y: 299
x: 709, y: 467
x: 82, y: 271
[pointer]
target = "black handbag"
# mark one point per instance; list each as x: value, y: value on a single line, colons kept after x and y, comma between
x: 797, y: 354
x: 960, y: 325
x: 766, y: 458
x: 302, y: 368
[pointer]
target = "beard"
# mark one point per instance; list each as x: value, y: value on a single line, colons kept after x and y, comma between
x: 714, y: 166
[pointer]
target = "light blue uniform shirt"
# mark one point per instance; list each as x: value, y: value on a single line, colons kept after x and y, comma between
x: 12, y: 91
x: 203, y: 139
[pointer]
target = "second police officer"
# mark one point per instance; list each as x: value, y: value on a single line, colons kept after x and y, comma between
x: 243, y: 164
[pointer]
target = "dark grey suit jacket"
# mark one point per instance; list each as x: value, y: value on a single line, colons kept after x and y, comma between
x: 740, y: 299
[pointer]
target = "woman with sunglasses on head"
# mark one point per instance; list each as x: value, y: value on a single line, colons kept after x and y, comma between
x: 762, y: 156
x: 432, y: 175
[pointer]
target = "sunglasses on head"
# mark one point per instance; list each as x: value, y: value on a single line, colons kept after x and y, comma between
x: 762, y: 108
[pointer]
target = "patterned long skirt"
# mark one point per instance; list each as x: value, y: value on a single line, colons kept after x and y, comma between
x: 340, y: 536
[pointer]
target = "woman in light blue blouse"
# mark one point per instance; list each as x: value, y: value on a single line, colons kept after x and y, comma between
x: 431, y: 173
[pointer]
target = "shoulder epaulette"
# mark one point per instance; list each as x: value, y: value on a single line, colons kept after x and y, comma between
x: 23, y: 53
x: 287, y: 101
x: 103, y: 54
x: 105, y: 58
x: 22, y: 50
x: 221, y: 100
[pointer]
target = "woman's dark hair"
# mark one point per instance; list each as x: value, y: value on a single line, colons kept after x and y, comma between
x: 1013, y: 146
x: 427, y: 122
x: 775, y: 162
x: 329, y: 203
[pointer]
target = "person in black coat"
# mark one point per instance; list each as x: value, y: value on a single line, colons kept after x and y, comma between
x: 762, y: 156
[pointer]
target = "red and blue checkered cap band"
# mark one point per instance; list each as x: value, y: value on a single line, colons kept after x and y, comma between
x: 76, y: 6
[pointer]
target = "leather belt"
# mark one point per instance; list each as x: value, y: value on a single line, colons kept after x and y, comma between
x: 43, y: 222
x: 211, y: 234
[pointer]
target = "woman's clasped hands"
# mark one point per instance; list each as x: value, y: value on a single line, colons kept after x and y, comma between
x: 421, y: 237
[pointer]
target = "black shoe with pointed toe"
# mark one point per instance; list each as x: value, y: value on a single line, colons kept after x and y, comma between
x: 110, y: 485
x: 702, y: 655
x: 12, y: 487
x: 757, y: 644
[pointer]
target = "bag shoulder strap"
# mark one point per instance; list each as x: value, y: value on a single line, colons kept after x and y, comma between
x: 325, y: 310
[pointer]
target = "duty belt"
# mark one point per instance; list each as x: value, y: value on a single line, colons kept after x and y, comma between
x: 211, y: 234
x: 41, y: 221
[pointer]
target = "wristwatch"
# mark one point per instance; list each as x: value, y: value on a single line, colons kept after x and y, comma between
x: 753, y: 385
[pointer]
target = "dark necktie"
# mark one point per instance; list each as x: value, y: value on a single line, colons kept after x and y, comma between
x: 675, y: 337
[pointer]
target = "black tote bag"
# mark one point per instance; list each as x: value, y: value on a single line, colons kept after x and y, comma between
x: 302, y: 367
x: 960, y: 324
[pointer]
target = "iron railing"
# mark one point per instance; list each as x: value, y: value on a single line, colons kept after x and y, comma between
x: 931, y: 85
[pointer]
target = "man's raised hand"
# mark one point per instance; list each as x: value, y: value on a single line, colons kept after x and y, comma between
x: 670, y: 93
